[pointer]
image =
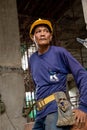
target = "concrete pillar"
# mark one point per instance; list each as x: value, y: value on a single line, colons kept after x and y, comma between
x: 84, y: 5
x: 11, y: 76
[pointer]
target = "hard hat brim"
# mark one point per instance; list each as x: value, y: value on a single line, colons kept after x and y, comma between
x: 40, y: 22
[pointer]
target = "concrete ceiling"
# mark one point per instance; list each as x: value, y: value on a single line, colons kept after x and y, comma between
x: 47, y: 9
x: 66, y: 16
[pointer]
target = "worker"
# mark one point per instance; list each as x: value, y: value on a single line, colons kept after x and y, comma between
x: 49, y: 67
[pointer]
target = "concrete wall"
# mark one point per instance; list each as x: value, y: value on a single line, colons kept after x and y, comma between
x: 11, y: 76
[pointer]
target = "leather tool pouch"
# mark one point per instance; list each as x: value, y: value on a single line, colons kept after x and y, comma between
x: 65, y: 114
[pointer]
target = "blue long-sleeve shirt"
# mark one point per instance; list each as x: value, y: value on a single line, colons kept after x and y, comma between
x: 49, y: 72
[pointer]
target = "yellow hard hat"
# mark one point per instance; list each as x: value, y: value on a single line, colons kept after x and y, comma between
x: 39, y: 22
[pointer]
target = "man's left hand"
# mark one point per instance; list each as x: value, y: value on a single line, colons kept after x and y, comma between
x: 80, y: 117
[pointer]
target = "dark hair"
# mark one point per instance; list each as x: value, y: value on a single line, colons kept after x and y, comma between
x: 45, y: 25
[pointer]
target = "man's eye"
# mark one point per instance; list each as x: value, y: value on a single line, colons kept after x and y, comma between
x: 46, y: 30
x: 38, y: 31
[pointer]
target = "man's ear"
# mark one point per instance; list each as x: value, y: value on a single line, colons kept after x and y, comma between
x: 51, y: 37
x: 32, y: 38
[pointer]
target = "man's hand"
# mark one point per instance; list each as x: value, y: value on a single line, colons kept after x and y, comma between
x: 80, y: 118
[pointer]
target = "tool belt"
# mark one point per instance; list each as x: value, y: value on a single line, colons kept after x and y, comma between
x: 65, y: 114
x: 40, y: 104
x: 43, y: 102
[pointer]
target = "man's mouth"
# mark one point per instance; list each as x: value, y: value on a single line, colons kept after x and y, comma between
x: 43, y: 39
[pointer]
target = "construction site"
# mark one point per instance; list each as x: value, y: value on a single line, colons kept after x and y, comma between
x: 17, y: 90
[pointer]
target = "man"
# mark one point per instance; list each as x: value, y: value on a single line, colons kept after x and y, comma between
x: 49, y: 67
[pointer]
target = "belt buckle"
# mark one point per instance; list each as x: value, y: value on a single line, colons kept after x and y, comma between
x: 40, y: 104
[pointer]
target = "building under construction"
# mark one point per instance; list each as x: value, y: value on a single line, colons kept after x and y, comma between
x: 69, y: 19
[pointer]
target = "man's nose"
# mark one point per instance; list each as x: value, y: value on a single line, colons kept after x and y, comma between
x: 42, y: 33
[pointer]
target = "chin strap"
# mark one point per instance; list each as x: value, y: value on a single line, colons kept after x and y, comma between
x: 36, y: 43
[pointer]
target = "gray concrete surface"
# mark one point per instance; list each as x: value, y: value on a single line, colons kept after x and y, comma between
x: 11, y: 77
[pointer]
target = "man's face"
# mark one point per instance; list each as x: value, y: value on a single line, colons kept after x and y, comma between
x: 42, y: 36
